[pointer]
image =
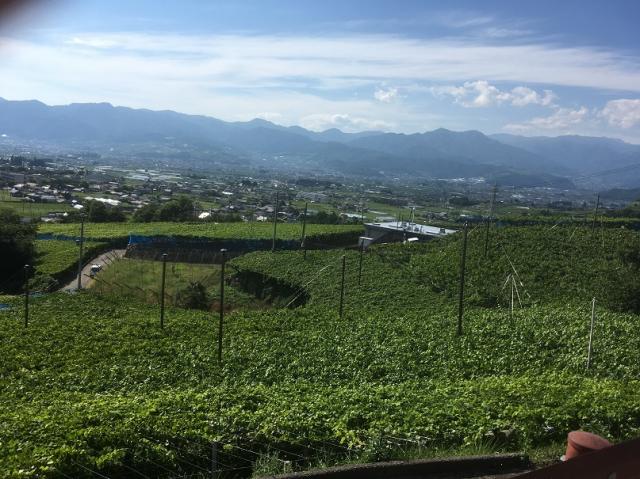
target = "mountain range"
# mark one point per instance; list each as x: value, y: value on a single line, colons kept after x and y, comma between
x: 177, y: 139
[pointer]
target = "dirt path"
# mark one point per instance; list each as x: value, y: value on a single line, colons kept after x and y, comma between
x: 87, y: 281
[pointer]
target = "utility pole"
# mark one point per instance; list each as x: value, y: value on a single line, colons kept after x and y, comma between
x: 462, y: 271
x: 344, y: 264
x: 224, y: 258
x: 164, y: 273
x: 26, y: 295
x: 275, y: 221
x: 595, y: 214
x: 81, y: 244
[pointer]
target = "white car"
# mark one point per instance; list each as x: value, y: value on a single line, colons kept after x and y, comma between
x: 95, y: 268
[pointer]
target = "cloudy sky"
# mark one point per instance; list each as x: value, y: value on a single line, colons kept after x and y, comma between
x: 532, y: 68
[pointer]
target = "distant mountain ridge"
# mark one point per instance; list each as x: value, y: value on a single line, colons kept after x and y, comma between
x: 205, y: 141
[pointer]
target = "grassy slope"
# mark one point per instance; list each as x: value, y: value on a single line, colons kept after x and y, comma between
x: 55, y: 257
x: 139, y: 280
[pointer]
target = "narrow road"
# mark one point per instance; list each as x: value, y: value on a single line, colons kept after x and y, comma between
x: 87, y: 281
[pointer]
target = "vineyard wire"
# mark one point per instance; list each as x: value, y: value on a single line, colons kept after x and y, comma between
x: 302, y: 288
x: 90, y: 470
x: 269, y: 446
x: 197, y: 455
x: 62, y: 473
x: 136, y: 471
x: 160, y: 466
x: 514, y: 270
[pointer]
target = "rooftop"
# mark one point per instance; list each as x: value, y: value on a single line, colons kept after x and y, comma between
x: 415, y: 228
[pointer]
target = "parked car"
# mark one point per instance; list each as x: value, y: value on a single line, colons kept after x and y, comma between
x: 95, y: 268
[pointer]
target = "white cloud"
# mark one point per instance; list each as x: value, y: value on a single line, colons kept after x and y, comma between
x: 477, y: 94
x: 522, y: 96
x: 462, y: 19
x: 560, y: 121
x: 342, y: 121
x: 386, y: 96
x: 623, y: 113
x: 96, y: 42
x: 272, y: 116
x: 275, y: 60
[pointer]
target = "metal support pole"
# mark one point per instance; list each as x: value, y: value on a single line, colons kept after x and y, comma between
x: 304, y: 222
x: 492, y: 205
x: 593, y: 320
x: 512, y: 298
x: 275, y: 221
x: 595, y: 214
x: 26, y: 295
x: 81, y: 244
x: 164, y: 273
x: 344, y: 265
x: 303, y: 243
x: 462, y: 271
x: 214, y: 460
x: 221, y: 321
x: 486, y: 236
x: 360, y: 261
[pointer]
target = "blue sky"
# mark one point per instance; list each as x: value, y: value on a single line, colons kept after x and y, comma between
x: 531, y: 68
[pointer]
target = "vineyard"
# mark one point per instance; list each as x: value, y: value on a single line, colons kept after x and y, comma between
x: 238, y: 231
x: 93, y: 385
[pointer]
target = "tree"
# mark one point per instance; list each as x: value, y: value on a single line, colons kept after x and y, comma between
x: 16, y: 249
x: 147, y: 213
x: 194, y: 296
x: 179, y: 209
x: 98, y: 212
